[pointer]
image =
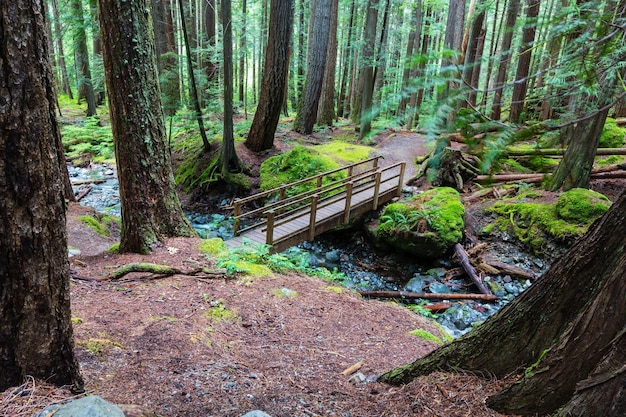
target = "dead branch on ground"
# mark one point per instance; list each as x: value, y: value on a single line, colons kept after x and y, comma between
x: 162, y: 271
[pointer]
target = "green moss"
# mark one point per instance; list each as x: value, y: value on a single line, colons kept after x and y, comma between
x: 297, y: 164
x: 344, y: 152
x: 101, y: 223
x: 218, y: 312
x: 99, y: 345
x: 285, y: 292
x: 612, y: 135
x: 426, y: 335
x: 564, y: 221
x: 581, y: 206
x: 114, y: 248
x: 77, y: 320
x: 212, y: 246
x: 428, y: 224
x: 338, y: 290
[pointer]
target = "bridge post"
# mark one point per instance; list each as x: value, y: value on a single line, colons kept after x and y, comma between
x: 236, y: 213
x: 269, y: 234
x: 346, y: 212
x: 401, y: 179
x: 376, y: 189
x: 319, y: 181
x: 314, y: 200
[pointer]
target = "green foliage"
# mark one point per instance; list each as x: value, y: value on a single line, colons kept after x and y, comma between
x: 213, y: 246
x: 297, y: 164
x: 345, y: 152
x: 536, y: 223
x: 114, y: 248
x: 88, y: 141
x: 612, y: 135
x: 218, y: 312
x: 421, y: 310
x: 99, y: 345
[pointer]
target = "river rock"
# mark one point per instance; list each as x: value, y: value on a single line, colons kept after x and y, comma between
x: 426, y: 225
x: 91, y: 406
x: 256, y: 413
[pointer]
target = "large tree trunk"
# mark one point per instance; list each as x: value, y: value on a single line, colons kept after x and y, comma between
x: 81, y: 56
x: 167, y: 62
x: 261, y: 135
x: 316, y: 63
x: 58, y: 34
x: 523, y: 65
x: 505, y: 57
x: 35, y: 328
x: 229, y: 160
x: 366, y: 77
x: 326, y: 113
x: 151, y: 210
x: 565, y: 328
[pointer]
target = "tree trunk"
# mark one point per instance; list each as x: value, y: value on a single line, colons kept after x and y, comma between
x: 167, y: 62
x: 229, y: 159
x: 412, y: 45
x: 505, y: 57
x: 326, y: 113
x: 59, y: 42
x: 195, y: 98
x: 35, y: 329
x: 366, y: 78
x: 242, y: 54
x: 98, y: 83
x: 151, y: 210
x: 209, y: 30
x: 565, y: 328
x: 316, y: 64
x: 81, y: 58
x: 472, y: 54
x: 261, y: 135
x: 344, y: 100
x: 523, y: 64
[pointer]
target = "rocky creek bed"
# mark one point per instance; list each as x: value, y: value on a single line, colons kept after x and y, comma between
x: 350, y: 253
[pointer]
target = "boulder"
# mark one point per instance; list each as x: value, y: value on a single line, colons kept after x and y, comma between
x: 426, y: 225
x: 91, y: 406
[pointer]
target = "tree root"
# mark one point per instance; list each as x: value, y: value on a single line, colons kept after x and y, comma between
x: 162, y: 271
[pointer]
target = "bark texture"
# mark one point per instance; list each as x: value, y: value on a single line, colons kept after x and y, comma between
x: 571, y: 322
x: 316, y: 64
x: 261, y: 135
x: 81, y: 57
x: 35, y: 328
x: 151, y: 210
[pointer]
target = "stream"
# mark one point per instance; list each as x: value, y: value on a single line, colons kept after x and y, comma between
x: 352, y: 254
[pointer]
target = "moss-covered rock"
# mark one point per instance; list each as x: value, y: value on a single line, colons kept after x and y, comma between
x: 537, y: 224
x: 426, y: 225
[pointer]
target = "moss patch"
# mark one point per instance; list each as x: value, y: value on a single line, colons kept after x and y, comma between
x: 345, y: 152
x: 535, y: 224
x: 612, y: 135
x: 212, y: 246
x: 426, y: 225
x: 297, y: 164
x: 101, y: 223
x: 426, y: 335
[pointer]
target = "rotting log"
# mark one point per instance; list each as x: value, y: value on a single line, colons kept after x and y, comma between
x: 89, y: 181
x: 83, y: 193
x: 427, y: 295
x: 464, y: 261
x: 162, y: 271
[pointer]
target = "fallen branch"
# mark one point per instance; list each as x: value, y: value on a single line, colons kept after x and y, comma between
x: 352, y: 369
x: 427, y: 295
x: 464, y: 261
x: 165, y: 271
x: 511, y: 270
x: 561, y: 152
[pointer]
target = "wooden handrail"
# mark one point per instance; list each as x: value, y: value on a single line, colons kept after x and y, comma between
x: 312, y: 201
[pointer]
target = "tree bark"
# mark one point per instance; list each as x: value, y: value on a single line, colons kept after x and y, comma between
x: 58, y: 34
x: 505, y: 57
x: 81, y: 56
x: 326, y: 113
x: 151, y: 210
x: 261, y: 135
x: 570, y: 321
x: 316, y: 63
x: 523, y: 64
x: 35, y: 329
x: 230, y: 162
x: 366, y: 77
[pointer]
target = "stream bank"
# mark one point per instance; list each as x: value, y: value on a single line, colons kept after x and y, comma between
x: 351, y: 253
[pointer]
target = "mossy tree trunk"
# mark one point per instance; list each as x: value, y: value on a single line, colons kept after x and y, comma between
x: 261, y: 135
x: 565, y: 329
x: 230, y: 162
x: 81, y: 58
x: 151, y: 210
x: 35, y: 329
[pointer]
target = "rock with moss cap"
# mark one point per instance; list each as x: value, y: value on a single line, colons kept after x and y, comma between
x: 426, y: 225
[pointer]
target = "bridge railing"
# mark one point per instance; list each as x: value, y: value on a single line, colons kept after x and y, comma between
x: 360, y: 176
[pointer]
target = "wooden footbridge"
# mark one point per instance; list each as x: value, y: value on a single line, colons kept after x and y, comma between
x: 287, y: 220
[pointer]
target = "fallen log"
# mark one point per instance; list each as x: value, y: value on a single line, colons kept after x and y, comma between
x: 464, y: 261
x: 161, y: 271
x: 89, y: 181
x: 511, y: 270
x: 83, y: 193
x: 561, y: 151
x: 427, y: 295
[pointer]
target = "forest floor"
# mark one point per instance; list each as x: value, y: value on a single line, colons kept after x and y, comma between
x: 223, y: 345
